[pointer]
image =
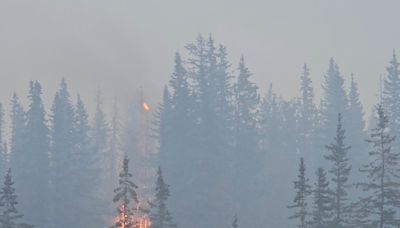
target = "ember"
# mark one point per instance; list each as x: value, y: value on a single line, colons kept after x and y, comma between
x: 146, y: 106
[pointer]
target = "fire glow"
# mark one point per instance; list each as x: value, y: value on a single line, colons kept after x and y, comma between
x: 134, y: 221
x: 146, y: 106
x: 144, y: 223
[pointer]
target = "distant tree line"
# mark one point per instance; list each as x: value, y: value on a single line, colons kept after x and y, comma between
x: 227, y: 149
x: 224, y: 148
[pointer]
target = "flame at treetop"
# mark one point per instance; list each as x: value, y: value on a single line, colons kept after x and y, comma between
x: 146, y: 106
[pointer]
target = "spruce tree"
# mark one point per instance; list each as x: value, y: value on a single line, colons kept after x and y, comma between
x: 159, y: 214
x: 225, y: 107
x: 99, y: 130
x: 246, y: 157
x: 114, y: 155
x: 382, y: 185
x: 208, y: 141
x: 307, y: 96
x: 18, y: 121
x: 334, y: 101
x: 271, y: 118
x: 163, y: 124
x: 391, y: 96
x: 99, y: 135
x: 62, y: 154
x: 281, y: 115
x: 276, y: 143
x: 33, y: 166
x: 85, y: 172
x: 356, y: 125
x: 246, y: 101
x: 9, y: 217
x: 322, y: 207
x: 340, y: 171
x: 62, y: 126
x: 176, y: 124
x: 126, y: 199
x: 307, y: 117
x: 303, y: 190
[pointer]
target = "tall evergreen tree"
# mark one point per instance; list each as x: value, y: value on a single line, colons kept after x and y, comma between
x: 62, y: 126
x: 281, y: 115
x: 213, y: 94
x: 33, y: 167
x: 9, y: 218
x: 126, y: 199
x: 322, y: 209
x: 159, y: 214
x: 307, y: 117
x: 246, y: 157
x: 176, y: 112
x: 209, y: 141
x: 247, y: 101
x: 303, y: 190
x: 163, y: 122
x: 340, y: 171
x: 62, y: 145
x: 114, y: 144
x: 99, y: 133
x: 99, y: 130
x: 334, y: 101
x: 307, y: 96
x: 391, y: 96
x: 271, y: 118
x: 225, y: 107
x: 356, y: 125
x: 382, y: 186
x: 276, y: 114
x: 18, y: 121
x: 85, y: 172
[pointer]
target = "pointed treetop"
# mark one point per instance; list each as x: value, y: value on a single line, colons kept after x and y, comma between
x: 244, y: 71
x: 235, y: 222
x: 306, y: 90
x: 8, y: 201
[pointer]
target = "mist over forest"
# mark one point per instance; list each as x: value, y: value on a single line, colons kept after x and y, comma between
x: 187, y: 114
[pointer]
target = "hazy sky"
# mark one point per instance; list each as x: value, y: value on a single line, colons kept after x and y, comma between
x: 119, y: 45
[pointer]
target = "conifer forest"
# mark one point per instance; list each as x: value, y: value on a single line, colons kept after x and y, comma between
x: 162, y: 115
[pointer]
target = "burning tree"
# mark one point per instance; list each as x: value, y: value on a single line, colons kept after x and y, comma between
x: 126, y: 199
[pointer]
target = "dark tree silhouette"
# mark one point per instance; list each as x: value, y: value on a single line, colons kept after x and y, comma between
x: 382, y: 185
x: 303, y: 190
x: 159, y: 214
x: 126, y: 199
x: 340, y: 171
x: 10, y: 216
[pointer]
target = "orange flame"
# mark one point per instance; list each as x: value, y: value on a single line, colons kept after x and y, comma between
x: 144, y: 223
x: 146, y: 106
x: 141, y: 221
